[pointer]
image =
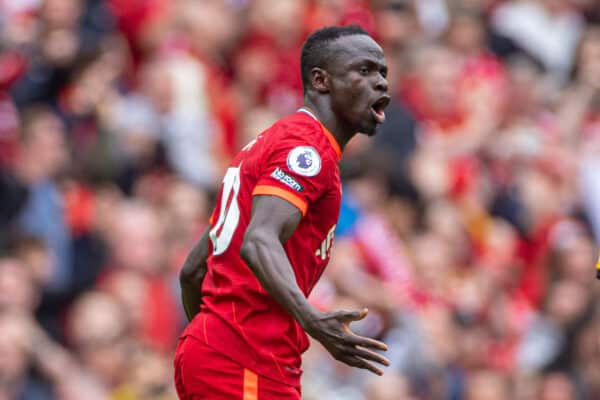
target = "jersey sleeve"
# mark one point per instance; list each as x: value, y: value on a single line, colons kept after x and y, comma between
x: 295, y: 171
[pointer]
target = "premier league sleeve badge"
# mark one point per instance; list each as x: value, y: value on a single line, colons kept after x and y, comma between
x: 304, y: 160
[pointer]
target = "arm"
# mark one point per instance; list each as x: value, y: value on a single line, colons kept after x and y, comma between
x: 192, y: 274
x: 273, y: 221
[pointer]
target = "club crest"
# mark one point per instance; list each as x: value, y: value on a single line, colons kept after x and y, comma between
x: 304, y: 160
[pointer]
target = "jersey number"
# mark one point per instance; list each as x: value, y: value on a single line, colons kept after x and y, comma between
x: 229, y: 212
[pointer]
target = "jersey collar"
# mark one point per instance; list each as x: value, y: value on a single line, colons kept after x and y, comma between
x: 329, y: 135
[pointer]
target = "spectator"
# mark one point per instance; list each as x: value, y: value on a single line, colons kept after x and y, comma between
x: 547, y: 30
x: 98, y: 329
x: 18, y: 292
x: 43, y: 155
x: 137, y: 274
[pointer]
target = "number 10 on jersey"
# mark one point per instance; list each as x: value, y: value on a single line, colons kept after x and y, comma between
x: 229, y: 212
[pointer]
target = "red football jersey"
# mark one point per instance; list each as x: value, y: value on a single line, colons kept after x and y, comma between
x: 297, y: 160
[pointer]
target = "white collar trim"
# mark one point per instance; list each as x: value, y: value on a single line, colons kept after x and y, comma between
x: 304, y: 110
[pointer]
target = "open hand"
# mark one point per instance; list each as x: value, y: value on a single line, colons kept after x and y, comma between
x: 332, y: 330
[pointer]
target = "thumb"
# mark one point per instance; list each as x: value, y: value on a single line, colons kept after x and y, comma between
x: 349, y: 316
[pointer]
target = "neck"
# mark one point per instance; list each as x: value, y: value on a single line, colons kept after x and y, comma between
x: 321, y: 109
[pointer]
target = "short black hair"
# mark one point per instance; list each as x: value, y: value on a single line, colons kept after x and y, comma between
x: 315, y: 49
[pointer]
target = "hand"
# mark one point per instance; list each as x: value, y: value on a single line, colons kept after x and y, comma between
x: 332, y: 330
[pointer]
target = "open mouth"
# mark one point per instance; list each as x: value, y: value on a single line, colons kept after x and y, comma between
x: 378, y: 109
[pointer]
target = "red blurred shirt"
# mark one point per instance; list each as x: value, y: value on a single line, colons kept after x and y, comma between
x: 12, y: 67
x: 297, y: 160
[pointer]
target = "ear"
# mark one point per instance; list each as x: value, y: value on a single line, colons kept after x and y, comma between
x: 320, y: 80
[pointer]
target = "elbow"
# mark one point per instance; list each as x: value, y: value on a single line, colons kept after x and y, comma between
x: 186, y: 275
x: 190, y: 273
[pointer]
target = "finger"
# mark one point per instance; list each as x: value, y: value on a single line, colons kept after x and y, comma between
x: 365, y: 342
x: 370, y: 355
x: 349, y: 316
x: 357, y: 362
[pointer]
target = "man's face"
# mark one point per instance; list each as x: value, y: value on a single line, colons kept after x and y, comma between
x: 358, y: 84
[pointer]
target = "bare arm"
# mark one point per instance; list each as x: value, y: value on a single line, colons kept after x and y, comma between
x: 192, y: 274
x: 273, y: 221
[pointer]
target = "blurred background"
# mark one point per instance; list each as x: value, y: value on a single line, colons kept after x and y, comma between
x: 469, y: 224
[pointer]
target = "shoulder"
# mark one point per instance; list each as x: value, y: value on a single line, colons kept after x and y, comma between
x: 297, y: 126
x: 299, y: 141
x: 294, y: 130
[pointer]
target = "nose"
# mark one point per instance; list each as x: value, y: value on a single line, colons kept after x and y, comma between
x: 381, y: 84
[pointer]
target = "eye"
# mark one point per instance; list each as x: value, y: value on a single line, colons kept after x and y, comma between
x: 364, y: 71
x: 384, y: 73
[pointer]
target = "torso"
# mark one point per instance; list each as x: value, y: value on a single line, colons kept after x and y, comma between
x: 296, y: 159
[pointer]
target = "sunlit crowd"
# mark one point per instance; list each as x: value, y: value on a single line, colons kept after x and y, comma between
x: 469, y: 226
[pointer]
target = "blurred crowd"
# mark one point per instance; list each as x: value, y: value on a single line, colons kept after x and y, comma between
x: 469, y: 224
